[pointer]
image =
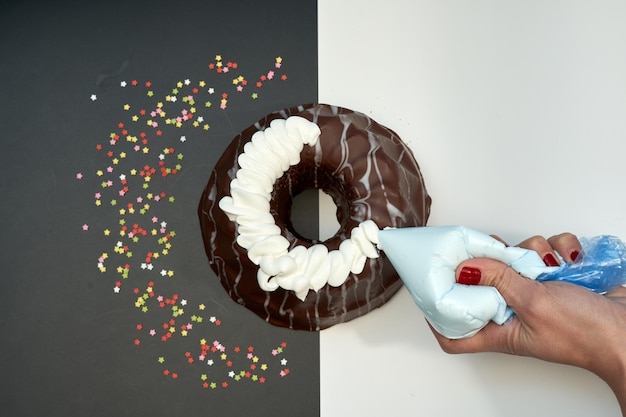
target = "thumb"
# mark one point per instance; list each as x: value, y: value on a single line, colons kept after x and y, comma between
x: 488, y: 272
x: 514, y: 288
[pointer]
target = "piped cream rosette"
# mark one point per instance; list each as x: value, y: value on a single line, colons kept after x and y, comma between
x: 265, y: 159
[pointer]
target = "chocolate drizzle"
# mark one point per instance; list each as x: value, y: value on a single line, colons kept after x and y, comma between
x: 370, y: 174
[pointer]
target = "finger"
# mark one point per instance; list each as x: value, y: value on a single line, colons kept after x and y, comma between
x: 541, y: 245
x: 516, y: 290
x: 567, y: 245
x: 465, y: 309
x: 492, y: 338
x: 618, y: 293
x: 499, y: 239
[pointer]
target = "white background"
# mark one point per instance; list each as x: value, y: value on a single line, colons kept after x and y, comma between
x: 516, y: 112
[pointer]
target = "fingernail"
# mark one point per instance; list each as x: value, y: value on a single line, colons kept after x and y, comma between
x: 550, y: 260
x: 574, y: 255
x: 469, y: 276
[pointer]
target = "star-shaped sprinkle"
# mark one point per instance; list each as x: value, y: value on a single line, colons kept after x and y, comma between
x: 127, y: 197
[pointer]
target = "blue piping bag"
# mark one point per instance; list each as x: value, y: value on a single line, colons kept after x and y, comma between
x: 426, y: 259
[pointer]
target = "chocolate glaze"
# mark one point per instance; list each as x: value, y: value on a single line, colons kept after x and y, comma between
x: 370, y: 174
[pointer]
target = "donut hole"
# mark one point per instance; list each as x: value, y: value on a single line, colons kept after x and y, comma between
x: 314, y: 215
x: 329, y: 224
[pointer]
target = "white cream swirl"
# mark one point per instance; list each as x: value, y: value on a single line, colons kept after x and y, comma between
x: 264, y: 160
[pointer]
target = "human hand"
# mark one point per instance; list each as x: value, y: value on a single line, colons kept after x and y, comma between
x: 426, y: 259
x: 554, y: 321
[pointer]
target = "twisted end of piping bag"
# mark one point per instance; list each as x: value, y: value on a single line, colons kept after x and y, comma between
x: 426, y: 259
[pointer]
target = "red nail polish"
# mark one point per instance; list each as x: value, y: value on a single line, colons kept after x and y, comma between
x: 469, y: 276
x: 574, y: 255
x: 550, y: 260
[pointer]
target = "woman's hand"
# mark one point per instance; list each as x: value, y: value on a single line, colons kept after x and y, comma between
x: 554, y: 321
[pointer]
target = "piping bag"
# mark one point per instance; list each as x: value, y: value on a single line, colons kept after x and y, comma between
x: 426, y: 259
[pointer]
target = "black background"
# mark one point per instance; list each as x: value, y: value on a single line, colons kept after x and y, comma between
x: 68, y: 340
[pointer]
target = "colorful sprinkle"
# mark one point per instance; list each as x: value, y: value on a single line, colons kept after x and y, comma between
x: 131, y: 193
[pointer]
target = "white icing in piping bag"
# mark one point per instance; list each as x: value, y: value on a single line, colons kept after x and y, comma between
x: 426, y: 259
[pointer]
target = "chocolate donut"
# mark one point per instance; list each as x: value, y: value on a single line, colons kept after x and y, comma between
x: 262, y: 262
